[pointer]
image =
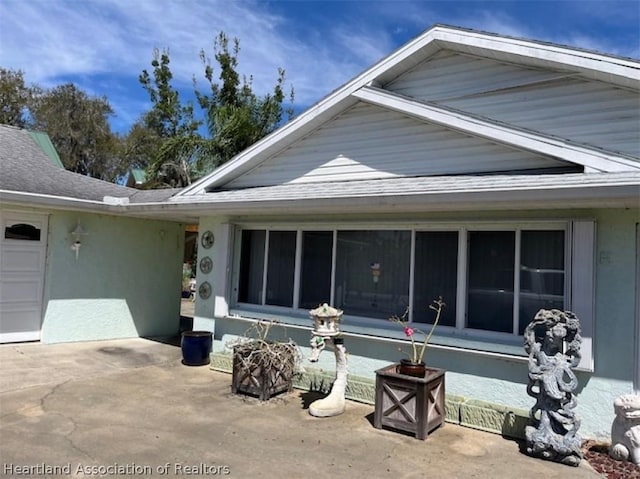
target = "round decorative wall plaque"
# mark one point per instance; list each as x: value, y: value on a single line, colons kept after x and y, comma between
x: 204, y: 290
x: 207, y: 239
x: 206, y: 265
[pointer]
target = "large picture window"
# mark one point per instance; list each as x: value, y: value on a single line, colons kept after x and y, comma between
x: 315, y: 278
x: 251, y: 266
x: 492, y: 279
x: 542, y: 282
x: 436, y: 274
x: 372, y: 269
x: 279, y: 248
x: 281, y: 268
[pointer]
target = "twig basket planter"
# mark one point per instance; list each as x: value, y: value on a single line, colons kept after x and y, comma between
x: 408, y: 403
x: 263, y: 369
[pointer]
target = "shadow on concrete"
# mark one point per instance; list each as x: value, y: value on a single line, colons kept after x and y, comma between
x: 170, y: 340
x: 307, y: 397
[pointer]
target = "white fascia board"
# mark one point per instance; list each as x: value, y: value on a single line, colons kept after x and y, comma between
x: 532, y: 197
x: 36, y: 199
x: 521, y: 139
x: 617, y: 70
x: 564, y: 191
x: 158, y: 210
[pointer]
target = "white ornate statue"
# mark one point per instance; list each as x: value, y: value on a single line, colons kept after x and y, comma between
x: 625, y: 431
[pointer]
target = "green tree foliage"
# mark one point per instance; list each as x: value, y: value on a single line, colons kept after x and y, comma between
x: 138, y: 145
x: 235, y: 117
x: 78, y: 126
x: 15, y: 98
x: 77, y: 123
x: 168, y: 117
x: 169, y: 129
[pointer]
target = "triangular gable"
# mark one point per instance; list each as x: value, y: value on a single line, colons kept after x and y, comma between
x: 367, y: 142
x: 369, y: 87
x: 553, y: 103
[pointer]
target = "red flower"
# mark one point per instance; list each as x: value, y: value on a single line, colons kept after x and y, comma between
x: 408, y: 331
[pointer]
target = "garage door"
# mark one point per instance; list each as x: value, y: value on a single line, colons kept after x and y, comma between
x: 23, y: 245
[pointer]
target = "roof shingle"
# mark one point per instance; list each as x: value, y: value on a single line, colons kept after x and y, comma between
x: 25, y: 168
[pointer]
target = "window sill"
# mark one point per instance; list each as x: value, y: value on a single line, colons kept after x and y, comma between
x: 465, y: 342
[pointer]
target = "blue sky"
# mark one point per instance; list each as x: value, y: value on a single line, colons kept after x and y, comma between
x: 103, y: 45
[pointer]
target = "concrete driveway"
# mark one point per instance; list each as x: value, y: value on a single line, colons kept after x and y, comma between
x: 129, y: 408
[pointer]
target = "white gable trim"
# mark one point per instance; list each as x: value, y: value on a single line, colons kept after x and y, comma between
x: 594, y: 160
x: 619, y: 71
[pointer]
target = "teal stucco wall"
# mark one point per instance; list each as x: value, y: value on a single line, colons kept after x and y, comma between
x: 126, y: 281
x: 502, y: 379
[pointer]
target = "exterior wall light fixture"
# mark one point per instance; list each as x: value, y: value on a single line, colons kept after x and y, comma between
x: 77, y: 233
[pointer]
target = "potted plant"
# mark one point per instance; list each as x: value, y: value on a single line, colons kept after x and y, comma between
x: 414, y: 365
x: 262, y: 367
x: 409, y: 395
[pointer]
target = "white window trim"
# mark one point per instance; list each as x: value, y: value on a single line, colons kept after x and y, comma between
x: 265, y: 262
x: 463, y: 261
x: 582, y: 283
x: 297, y: 267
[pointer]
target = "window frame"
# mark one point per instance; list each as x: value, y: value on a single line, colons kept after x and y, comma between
x: 462, y: 228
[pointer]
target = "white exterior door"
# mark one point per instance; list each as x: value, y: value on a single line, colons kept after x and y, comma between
x: 23, y: 247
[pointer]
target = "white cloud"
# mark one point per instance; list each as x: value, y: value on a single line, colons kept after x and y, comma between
x: 103, y: 45
x: 51, y: 41
x: 57, y: 41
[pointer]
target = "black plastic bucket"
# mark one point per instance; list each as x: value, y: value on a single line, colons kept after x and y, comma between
x: 196, y: 346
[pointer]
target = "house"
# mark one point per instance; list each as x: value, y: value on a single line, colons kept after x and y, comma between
x: 499, y: 173
x: 124, y: 278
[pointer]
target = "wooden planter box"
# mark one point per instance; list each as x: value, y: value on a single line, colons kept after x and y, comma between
x: 407, y: 403
x: 257, y: 372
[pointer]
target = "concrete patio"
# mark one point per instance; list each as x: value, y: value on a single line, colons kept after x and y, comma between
x: 129, y: 408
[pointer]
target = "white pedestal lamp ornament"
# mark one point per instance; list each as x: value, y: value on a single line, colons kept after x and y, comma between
x: 326, y: 332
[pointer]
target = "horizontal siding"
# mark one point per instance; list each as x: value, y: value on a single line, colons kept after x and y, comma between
x: 451, y: 75
x: 367, y: 142
x: 591, y: 113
